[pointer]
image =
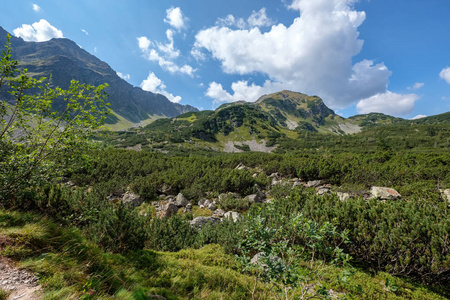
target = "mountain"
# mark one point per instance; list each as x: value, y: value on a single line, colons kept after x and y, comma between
x: 65, y: 60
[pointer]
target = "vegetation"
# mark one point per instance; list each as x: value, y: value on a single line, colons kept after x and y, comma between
x: 57, y: 220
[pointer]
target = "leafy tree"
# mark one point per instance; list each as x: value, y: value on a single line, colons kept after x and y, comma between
x: 39, y: 143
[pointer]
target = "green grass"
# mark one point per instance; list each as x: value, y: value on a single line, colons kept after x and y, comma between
x: 70, y: 267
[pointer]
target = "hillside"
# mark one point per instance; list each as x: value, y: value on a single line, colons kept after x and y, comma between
x: 285, y: 121
x: 64, y: 60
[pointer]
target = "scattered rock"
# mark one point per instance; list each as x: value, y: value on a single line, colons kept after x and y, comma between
x: 322, y: 190
x: 169, y: 210
x: 181, y: 201
x: 131, y: 199
x: 343, y: 196
x: 212, y: 206
x: 314, y: 183
x: 254, y: 198
x: 241, y: 166
x: 445, y: 194
x: 203, y: 203
x: 199, y: 222
x: 384, y: 193
x: 219, y: 213
x: 233, y: 215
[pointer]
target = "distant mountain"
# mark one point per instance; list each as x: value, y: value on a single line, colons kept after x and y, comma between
x: 65, y: 60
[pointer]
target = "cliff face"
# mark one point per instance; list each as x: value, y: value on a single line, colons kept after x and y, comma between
x: 65, y: 60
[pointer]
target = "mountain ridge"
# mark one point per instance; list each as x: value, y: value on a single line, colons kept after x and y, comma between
x: 64, y: 60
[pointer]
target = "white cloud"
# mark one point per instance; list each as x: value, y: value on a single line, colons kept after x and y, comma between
x: 256, y: 19
x: 167, y: 53
x: 445, y: 74
x: 36, y: 7
x: 38, y: 32
x: 416, y: 86
x: 175, y: 18
x: 124, y: 76
x: 418, y: 117
x: 259, y: 19
x: 312, y: 55
x: 388, y: 103
x: 155, y: 85
x: 87, y: 33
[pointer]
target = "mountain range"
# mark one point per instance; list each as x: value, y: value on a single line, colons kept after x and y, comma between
x: 65, y: 60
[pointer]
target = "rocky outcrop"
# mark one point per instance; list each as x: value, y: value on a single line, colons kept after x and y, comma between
x: 181, y: 200
x: 232, y: 215
x: 199, y: 222
x: 384, y: 193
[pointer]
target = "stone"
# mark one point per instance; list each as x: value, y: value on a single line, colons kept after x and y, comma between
x: 254, y: 198
x: 219, y: 213
x: 314, y: 183
x: 202, y: 203
x: 384, y: 193
x: 445, y: 193
x: 233, y: 215
x: 199, y: 222
x: 241, y: 166
x: 212, y: 206
x: 181, y: 201
x: 169, y: 210
x: 322, y: 190
x: 343, y: 196
x: 131, y: 199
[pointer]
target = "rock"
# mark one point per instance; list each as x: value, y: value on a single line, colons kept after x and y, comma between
x: 257, y: 260
x: 181, y: 201
x: 219, y: 213
x: 253, y: 198
x: 322, y: 190
x: 384, y: 193
x: 169, y: 210
x: 241, y: 166
x: 212, y: 206
x: 314, y: 183
x: 274, y: 175
x: 157, y: 297
x: 131, y: 199
x: 202, y: 203
x: 343, y: 196
x: 233, y: 215
x: 199, y: 222
x: 445, y: 194
x: 116, y: 196
x: 224, y: 196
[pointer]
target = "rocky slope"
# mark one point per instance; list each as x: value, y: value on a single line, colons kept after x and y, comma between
x: 65, y: 60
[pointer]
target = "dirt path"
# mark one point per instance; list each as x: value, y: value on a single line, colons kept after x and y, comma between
x: 21, y: 283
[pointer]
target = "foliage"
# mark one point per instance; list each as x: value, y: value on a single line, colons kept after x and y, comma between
x: 38, y: 143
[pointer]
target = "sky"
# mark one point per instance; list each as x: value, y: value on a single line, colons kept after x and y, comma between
x: 358, y: 56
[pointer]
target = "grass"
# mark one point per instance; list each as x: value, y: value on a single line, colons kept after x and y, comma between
x: 70, y: 267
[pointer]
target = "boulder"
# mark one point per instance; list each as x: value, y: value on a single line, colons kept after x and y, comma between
x: 314, y: 183
x: 343, y: 196
x: 322, y: 190
x: 254, y: 198
x: 131, y: 199
x: 212, y: 206
x: 384, y: 193
x: 445, y: 193
x: 219, y: 213
x: 233, y: 215
x: 199, y: 222
x: 168, y: 210
x: 203, y: 203
x: 181, y: 201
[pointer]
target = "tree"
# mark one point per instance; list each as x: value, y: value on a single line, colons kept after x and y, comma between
x: 38, y: 143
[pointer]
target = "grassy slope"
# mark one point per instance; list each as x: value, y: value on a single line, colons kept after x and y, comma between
x: 70, y: 267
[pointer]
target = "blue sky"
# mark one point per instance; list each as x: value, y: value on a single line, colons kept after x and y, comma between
x: 359, y: 56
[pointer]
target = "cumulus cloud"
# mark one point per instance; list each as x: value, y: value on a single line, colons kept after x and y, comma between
x: 175, y: 18
x: 388, y: 103
x: 164, y: 54
x: 256, y: 19
x: 445, y: 74
x: 418, y: 117
x: 36, y: 7
x: 38, y: 32
x: 312, y: 55
x: 259, y: 19
x: 123, y: 76
x: 155, y: 85
x: 416, y: 86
